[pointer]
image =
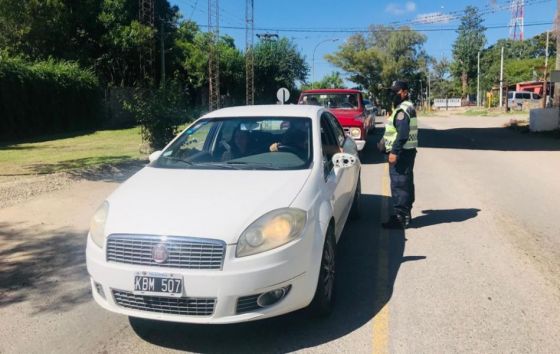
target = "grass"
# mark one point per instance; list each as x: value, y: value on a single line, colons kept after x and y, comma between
x: 476, y: 112
x: 70, y: 152
x: 494, y: 112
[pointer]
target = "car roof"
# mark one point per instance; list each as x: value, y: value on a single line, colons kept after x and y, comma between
x: 277, y: 110
x: 332, y: 91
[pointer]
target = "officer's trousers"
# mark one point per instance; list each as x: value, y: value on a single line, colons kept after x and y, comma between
x: 402, y: 182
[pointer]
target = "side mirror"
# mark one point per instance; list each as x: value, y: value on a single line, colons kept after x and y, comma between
x: 154, y: 155
x: 344, y: 160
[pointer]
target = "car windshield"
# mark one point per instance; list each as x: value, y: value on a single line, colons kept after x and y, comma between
x: 331, y: 100
x: 263, y: 143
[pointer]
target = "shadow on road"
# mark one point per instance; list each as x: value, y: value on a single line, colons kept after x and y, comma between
x: 370, y: 155
x: 40, y: 266
x: 362, y: 289
x: 501, y: 139
x: 434, y: 217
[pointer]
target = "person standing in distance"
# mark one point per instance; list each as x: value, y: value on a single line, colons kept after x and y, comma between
x: 399, y: 143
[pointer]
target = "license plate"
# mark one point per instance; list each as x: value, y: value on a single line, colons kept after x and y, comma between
x: 158, y: 284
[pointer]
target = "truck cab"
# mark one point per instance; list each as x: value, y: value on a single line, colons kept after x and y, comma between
x: 348, y: 107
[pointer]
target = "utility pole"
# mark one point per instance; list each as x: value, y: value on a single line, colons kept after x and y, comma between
x: 146, y: 17
x: 545, y: 84
x: 429, y: 92
x: 557, y: 33
x: 214, y: 55
x: 421, y: 95
x: 502, y: 78
x: 478, y: 81
x: 249, y: 58
x: 162, y: 32
x: 313, y: 58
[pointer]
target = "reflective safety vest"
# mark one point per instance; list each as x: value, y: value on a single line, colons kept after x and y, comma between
x: 391, y: 131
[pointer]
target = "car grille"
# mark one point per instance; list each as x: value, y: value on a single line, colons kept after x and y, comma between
x: 183, y: 252
x: 175, y: 306
x: 247, y: 304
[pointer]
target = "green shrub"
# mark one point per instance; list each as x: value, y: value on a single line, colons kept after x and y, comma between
x: 159, y: 112
x: 46, y: 97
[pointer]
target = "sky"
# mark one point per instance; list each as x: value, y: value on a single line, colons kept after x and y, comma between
x: 301, y: 20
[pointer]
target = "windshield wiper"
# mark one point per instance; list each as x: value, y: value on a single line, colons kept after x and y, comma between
x: 227, y: 165
x: 188, y: 163
x: 265, y: 165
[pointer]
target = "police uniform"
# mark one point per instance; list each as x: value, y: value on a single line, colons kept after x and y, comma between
x: 401, y: 139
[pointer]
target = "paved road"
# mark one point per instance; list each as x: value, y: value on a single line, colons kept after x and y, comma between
x: 479, y: 271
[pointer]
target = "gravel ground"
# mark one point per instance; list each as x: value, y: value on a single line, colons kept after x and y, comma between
x: 16, y: 189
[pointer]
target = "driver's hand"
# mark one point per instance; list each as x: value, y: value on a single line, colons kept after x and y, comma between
x: 274, y: 147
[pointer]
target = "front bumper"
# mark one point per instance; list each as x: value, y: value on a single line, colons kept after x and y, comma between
x: 295, y: 265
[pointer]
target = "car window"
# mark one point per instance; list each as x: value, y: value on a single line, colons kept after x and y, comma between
x: 331, y: 100
x: 526, y: 96
x: 337, y: 129
x: 329, y: 144
x: 279, y: 143
x: 196, y: 140
x: 536, y: 96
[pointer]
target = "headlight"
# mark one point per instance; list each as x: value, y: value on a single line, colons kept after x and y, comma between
x: 355, y: 133
x: 271, y: 230
x: 97, y: 226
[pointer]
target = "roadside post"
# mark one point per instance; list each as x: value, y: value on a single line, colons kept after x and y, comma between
x: 283, y: 95
x: 555, y: 77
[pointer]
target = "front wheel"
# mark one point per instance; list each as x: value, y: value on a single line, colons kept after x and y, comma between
x: 323, y: 301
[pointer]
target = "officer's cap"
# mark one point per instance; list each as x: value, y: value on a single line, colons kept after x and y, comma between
x: 398, y: 85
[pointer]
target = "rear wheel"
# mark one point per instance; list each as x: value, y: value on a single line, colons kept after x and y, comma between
x: 323, y: 301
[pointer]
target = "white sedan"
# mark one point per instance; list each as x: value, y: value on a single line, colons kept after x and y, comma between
x: 237, y: 219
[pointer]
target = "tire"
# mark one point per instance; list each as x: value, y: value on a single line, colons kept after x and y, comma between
x: 355, y: 211
x: 323, y: 301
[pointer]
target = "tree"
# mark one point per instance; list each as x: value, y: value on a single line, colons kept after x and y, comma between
x: 192, y: 65
x: 277, y: 64
x: 523, y: 60
x: 470, y: 40
x: 332, y: 80
x: 62, y: 29
x: 441, y: 85
x: 385, y: 55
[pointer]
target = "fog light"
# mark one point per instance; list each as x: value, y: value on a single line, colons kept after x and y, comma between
x: 99, y: 289
x: 272, y: 297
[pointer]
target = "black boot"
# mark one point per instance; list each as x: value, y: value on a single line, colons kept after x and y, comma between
x: 395, y: 222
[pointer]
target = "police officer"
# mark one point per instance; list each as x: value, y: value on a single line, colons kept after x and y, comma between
x: 399, y: 143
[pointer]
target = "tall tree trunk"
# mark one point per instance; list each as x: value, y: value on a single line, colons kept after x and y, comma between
x: 465, y: 81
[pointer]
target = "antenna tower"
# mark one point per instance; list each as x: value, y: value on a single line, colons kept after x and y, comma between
x: 517, y: 20
x: 214, y: 56
x: 146, y: 17
x: 249, y: 59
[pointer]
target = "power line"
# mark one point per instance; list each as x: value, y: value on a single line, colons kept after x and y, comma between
x: 438, y: 17
x: 364, y: 30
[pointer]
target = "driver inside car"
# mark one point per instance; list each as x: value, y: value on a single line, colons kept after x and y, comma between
x: 293, y: 140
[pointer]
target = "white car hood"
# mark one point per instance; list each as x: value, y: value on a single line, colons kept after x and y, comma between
x: 217, y: 204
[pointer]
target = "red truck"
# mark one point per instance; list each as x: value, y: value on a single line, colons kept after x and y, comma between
x: 348, y: 107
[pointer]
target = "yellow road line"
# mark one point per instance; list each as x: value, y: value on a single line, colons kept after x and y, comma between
x: 381, y: 320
